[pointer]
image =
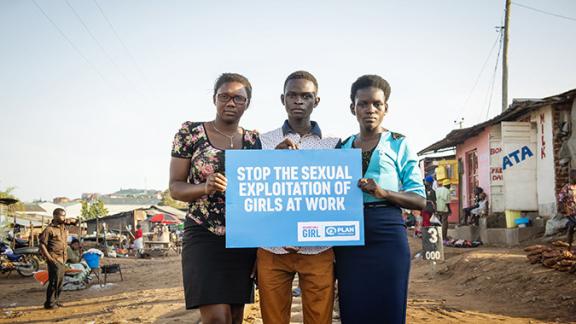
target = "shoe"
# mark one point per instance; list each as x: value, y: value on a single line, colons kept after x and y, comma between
x: 50, y: 306
x: 59, y: 304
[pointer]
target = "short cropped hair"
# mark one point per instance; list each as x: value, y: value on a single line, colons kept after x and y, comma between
x: 370, y: 81
x: 301, y: 75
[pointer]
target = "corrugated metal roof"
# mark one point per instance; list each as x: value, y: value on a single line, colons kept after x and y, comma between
x: 518, y: 108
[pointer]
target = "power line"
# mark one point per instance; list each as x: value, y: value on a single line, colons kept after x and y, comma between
x: 543, y: 12
x: 494, y: 76
x: 73, y: 45
x: 108, y: 56
x: 482, y: 69
x: 120, y: 40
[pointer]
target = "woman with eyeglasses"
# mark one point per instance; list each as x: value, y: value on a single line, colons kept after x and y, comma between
x: 216, y: 280
x: 373, y: 279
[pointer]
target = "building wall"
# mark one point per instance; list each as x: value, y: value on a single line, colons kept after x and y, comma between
x: 481, y: 143
x: 519, y: 164
x: 561, y: 113
x: 545, y: 171
x: 496, y: 198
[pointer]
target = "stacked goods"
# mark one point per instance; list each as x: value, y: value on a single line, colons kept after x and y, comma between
x: 557, y: 257
x: 535, y: 253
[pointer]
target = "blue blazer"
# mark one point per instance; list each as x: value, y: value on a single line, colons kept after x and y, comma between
x: 393, y: 166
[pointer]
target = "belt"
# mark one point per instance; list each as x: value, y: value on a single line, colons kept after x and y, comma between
x: 379, y: 204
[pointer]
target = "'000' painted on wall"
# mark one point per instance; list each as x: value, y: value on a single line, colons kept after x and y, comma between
x: 516, y: 157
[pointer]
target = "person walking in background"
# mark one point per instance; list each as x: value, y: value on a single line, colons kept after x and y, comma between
x: 443, y: 206
x: 373, y: 279
x: 216, y: 280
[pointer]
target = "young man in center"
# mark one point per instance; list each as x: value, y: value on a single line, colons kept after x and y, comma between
x: 277, y: 266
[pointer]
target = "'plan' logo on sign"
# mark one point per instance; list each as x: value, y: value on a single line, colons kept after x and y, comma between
x: 328, y: 231
x: 340, y: 230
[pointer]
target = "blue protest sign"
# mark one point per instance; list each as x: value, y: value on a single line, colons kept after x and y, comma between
x: 293, y: 198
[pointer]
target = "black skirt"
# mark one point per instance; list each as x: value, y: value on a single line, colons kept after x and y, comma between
x: 213, y: 274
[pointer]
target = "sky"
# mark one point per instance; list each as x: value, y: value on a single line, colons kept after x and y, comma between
x: 93, y: 91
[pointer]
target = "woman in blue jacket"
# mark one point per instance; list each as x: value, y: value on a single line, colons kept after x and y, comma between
x: 373, y: 279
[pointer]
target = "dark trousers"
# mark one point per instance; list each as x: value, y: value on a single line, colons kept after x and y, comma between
x: 467, y: 212
x: 55, y: 281
x: 444, y: 219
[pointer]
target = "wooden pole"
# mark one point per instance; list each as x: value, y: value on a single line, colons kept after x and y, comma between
x: 97, y: 231
x: 13, y: 227
x: 505, y: 57
x: 31, y: 236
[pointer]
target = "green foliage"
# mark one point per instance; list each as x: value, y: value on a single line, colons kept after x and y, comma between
x: 167, y: 200
x: 93, y: 210
x: 7, y: 193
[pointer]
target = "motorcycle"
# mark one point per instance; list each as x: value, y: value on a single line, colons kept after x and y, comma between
x: 21, y: 246
x: 24, y: 264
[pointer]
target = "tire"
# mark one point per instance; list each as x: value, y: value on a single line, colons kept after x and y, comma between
x: 28, y: 265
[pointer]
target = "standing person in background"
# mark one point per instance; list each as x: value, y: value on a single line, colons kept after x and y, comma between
x: 430, y: 208
x: 373, y: 279
x: 53, y: 246
x: 443, y: 206
x: 314, y: 265
x: 216, y: 280
x: 567, y: 205
x: 139, y: 240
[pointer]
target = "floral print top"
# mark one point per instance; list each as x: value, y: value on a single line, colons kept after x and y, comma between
x: 191, y: 142
x: 567, y: 200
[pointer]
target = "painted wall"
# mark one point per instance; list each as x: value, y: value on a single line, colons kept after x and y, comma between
x: 545, y: 180
x: 519, y: 165
x: 496, y: 198
x: 481, y: 143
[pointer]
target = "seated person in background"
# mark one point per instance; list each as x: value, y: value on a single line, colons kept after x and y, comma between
x: 77, y: 272
x: 478, y: 211
x: 74, y: 251
x: 467, y: 210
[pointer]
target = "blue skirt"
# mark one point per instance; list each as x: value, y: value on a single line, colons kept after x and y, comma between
x: 373, y: 279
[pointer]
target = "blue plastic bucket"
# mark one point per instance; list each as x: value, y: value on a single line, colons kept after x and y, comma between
x: 93, y: 260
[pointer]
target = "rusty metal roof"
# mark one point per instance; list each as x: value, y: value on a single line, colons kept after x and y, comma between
x: 518, y: 108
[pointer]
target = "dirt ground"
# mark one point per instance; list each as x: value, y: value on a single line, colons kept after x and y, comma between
x: 482, y: 285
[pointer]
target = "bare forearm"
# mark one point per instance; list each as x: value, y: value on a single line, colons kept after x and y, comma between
x: 408, y: 200
x: 187, y: 192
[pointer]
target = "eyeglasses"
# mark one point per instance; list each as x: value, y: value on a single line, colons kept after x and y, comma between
x: 225, y: 98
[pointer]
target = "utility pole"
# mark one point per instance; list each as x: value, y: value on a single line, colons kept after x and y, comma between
x: 505, y: 57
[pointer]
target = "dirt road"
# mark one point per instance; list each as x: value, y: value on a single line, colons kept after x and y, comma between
x: 483, y: 285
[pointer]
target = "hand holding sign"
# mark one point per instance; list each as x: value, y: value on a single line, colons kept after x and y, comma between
x: 287, y: 144
x: 215, y: 182
x: 369, y: 186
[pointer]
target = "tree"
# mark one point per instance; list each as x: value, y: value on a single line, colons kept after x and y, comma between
x: 7, y: 193
x: 167, y: 200
x: 93, y: 210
